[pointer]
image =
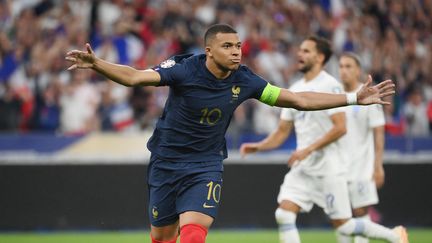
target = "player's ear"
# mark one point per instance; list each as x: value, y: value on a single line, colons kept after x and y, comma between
x: 208, y: 51
x: 321, y: 58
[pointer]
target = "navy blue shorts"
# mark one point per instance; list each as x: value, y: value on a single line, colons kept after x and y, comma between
x: 177, y: 187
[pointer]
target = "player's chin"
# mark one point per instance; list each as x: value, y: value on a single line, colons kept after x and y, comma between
x: 233, y: 66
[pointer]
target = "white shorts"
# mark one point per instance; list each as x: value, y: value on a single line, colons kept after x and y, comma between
x: 328, y: 192
x: 362, y: 193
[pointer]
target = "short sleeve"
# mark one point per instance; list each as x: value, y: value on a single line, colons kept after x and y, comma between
x: 172, y: 71
x: 287, y: 114
x: 376, y: 116
x: 254, y: 82
x: 336, y: 89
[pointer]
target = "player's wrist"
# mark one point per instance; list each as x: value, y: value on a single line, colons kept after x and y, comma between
x: 95, y: 63
x: 351, y: 98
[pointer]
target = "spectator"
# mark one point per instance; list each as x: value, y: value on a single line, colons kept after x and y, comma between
x: 391, y: 37
x: 415, y: 112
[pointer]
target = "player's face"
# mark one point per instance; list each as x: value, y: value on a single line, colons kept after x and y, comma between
x: 308, y: 56
x: 349, y: 70
x: 225, y: 51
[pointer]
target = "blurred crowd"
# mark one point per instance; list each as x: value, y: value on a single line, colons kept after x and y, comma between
x: 393, y: 39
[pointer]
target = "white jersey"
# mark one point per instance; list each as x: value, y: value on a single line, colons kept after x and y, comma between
x: 358, y: 142
x: 312, y: 125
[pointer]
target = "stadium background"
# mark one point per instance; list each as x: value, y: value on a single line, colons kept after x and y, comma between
x: 72, y: 147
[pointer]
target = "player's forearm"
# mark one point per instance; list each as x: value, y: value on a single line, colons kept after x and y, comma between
x: 310, y: 100
x: 379, y: 142
x: 122, y: 74
x: 273, y: 141
x: 330, y: 137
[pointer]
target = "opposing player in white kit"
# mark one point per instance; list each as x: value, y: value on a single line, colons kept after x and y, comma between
x: 364, y: 145
x: 317, y: 174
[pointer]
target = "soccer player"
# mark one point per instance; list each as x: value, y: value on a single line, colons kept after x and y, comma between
x: 364, y: 144
x: 188, y: 144
x: 317, y: 174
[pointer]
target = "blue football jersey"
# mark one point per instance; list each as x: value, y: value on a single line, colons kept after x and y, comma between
x: 199, y: 109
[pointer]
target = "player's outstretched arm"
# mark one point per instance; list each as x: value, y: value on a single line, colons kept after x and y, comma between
x: 121, y: 74
x: 272, y: 141
x: 318, y: 101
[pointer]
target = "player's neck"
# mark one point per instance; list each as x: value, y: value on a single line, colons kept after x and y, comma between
x: 312, y: 73
x: 219, y: 73
x: 351, y: 87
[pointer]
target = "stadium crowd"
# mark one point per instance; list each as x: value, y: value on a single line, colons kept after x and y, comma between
x: 393, y: 39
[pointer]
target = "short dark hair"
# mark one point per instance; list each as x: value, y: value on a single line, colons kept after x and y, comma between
x: 323, y: 46
x: 353, y: 56
x: 213, y: 30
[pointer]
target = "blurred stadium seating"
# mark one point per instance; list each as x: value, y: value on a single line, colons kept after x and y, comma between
x: 393, y: 38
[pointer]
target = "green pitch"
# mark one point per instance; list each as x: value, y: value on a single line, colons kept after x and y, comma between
x: 215, y: 236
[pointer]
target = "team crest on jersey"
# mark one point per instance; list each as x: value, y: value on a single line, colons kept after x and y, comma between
x: 235, y: 93
x: 167, y: 63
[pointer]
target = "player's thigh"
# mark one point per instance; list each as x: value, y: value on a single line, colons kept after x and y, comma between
x: 295, y: 192
x: 163, y: 189
x: 363, y: 193
x: 289, y: 206
x: 334, y: 197
x: 201, y: 193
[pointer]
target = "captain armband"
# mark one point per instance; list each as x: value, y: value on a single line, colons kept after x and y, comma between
x: 270, y: 94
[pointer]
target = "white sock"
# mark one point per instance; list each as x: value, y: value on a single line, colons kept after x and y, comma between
x: 341, y: 238
x: 368, y: 229
x: 359, y: 238
x: 287, y: 228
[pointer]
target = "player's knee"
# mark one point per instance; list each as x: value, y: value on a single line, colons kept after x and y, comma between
x: 360, y: 212
x: 285, y: 217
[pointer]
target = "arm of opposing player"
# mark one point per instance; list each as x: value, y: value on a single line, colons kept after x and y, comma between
x: 277, y: 137
x: 379, y: 175
x: 337, y: 131
x: 272, y: 141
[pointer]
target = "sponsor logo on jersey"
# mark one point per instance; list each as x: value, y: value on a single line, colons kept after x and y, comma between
x: 205, y: 205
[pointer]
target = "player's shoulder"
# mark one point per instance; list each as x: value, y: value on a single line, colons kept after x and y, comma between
x: 245, y: 74
x: 185, y: 60
x: 244, y: 70
x: 328, y: 78
x: 297, y: 84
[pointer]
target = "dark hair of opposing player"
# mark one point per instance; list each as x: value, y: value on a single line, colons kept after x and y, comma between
x: 217, y: 28
x: 353, y: 56
x: 323, y: 46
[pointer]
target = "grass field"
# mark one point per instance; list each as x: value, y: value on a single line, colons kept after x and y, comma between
x: 215, y: 236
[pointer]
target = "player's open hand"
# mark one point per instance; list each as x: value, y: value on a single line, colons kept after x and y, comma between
x: 248, y: 148
x: 81, y: 59
x: 369, y: 94
x: 298, y: 156
x: 379, y: 176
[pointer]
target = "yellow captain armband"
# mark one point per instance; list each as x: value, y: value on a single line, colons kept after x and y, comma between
x: 270, y: 94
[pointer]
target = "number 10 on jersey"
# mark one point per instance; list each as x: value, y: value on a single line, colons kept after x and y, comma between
x: 210, y: 117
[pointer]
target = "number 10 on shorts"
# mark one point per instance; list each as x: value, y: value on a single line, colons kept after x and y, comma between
x: 214, y: 192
